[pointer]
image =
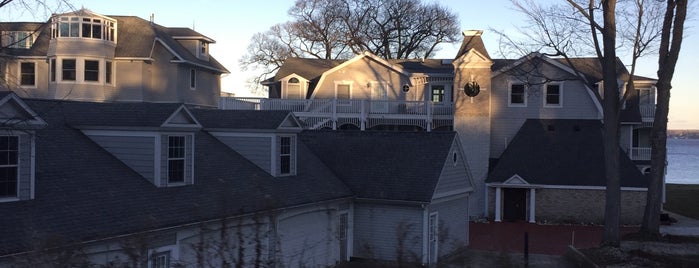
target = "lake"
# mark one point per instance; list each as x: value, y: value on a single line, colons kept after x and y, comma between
x: 683, y: 161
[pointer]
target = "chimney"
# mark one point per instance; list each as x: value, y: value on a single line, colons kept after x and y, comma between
x: 152, y: 18
x: 472, y: 32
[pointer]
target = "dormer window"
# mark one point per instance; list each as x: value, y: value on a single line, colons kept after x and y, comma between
x: 18, y: 39
x: 294, y: 87
x: 286, y: 146
x: 9, y: 159
x: 204, y: 48
x: 175, y: 159
x: 85, y: 27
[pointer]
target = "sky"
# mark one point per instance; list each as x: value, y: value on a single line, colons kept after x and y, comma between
x: 233, y: 23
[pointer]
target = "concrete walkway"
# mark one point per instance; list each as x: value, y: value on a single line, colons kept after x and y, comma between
x: 684, y: 226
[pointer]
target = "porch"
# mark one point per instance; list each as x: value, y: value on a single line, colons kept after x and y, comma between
x: 360, y: 114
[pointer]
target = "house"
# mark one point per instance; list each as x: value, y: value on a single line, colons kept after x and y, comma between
x: 494, y: 105
x: 148, y: 184
x: 83, y: 55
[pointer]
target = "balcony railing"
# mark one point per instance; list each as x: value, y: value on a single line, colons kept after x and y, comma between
x: 332, y: 113
x: 640, y: 153
x: 647, y: 112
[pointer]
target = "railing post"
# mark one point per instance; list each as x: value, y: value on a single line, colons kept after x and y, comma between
x: 334, y: 114
x: 362, y: 116
x: 428, y: 107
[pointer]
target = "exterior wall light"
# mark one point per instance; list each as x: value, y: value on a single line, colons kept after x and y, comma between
x: 472, y: 89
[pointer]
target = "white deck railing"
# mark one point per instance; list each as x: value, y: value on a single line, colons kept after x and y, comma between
x: 647, y: 111
x: 331, y: 113
x: 640, y: 153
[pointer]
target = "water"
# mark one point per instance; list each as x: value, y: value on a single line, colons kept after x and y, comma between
x: 683, y: 161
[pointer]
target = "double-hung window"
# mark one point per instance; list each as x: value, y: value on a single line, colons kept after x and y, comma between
x: 552, y: 95
x: 92, y: 70
x: 517, y: 95
x: 285, y: 155
x: 9, y: 159
x: 175, y: 159
x: 69, y: 70
x: 160, y: 260
x: 28, y: 74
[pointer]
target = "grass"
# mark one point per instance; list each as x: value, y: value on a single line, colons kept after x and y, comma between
x: 683, y: 199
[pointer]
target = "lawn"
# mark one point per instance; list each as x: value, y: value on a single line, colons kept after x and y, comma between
x: 683, y: 199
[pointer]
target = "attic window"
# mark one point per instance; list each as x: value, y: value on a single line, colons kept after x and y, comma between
x: 294, y: 80
x: 18, y: 39
x: 454, y: 158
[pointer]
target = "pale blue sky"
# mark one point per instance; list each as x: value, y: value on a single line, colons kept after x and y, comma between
x: 232, y: 24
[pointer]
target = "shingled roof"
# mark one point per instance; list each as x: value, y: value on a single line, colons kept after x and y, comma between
x: 84, y: 193
x: 241, y: 119
x: 567, y: 152
x: 136, y: 37
x: 384, y: 165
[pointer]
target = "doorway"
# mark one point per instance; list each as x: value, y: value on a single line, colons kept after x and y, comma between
x: 515, y: 205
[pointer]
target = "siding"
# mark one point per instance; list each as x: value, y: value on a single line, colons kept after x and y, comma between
x: 308, y: 239
x: 136, y: 152
x: 453, y: 224
x: 360, y: 73
x: 506, y: 121
x: 455, y: 175
x: 256, y: 149
x: 377, y: 228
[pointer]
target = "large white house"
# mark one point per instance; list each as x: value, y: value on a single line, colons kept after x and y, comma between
x: 530, y: 127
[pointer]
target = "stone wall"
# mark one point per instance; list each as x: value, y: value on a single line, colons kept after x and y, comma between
x: 579, y: 206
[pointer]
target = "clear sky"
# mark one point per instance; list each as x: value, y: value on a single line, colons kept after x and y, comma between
x: 232, y: 24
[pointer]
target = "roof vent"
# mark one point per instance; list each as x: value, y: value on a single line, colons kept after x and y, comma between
x: 576, y: 128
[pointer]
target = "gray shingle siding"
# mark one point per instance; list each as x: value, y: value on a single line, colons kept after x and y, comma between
x: 453, y: 224
x: 376, y: 231
x: 256, y: 149
x: 136, y: 152
x: 452, y: 177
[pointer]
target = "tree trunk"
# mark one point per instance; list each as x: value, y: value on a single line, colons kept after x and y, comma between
x: 610, y: 132
x: 670, y: 43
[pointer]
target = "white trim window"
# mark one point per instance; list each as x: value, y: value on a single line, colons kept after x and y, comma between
x: 517, y: 95
x: 18, y: 39
x: 108, y: 72
x: 192, y: 79
x: 437, y: 93
x: 160, y: 260
x: 83, y: 27
x: 91, y: 72
x: 27, y: 74
x: 9, y: 166
x: 553, y: 95
x: 52, y: 70
x: 286, y: 155
x: 176, y: 159
x: 68, y: 69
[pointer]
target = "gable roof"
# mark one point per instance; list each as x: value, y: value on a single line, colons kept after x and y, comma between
x: 84, y: 193
x: 242, y: 119
x: 384, y: 165
x: 540, y: 154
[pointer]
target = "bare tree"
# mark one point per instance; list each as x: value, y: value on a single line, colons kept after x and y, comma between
x: 576, y: 29
x: 340, y: 29
x: 670, y: 44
